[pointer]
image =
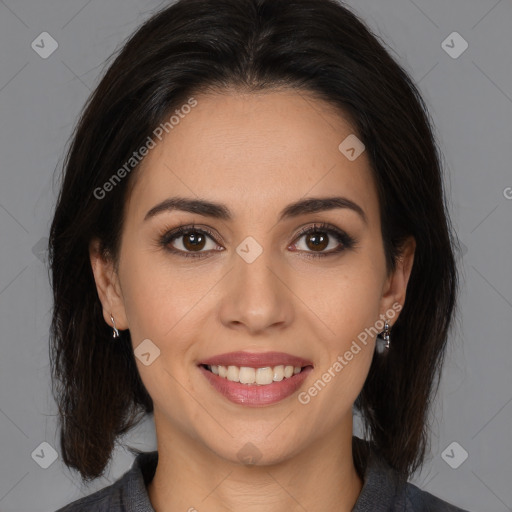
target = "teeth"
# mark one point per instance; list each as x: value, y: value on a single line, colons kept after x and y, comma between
x: 259, y: 376
x: 246, y: 375
x: 233, y: 374
x: 264, y: 376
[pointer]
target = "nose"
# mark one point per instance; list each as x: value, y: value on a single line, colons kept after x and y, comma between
x: 256, y: 297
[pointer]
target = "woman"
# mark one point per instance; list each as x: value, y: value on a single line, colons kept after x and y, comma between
x: 251, y: 241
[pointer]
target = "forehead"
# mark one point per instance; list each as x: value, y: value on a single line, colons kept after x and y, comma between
x: 254, y: 151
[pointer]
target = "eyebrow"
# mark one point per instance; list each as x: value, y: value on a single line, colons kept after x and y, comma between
x: 222, y: 212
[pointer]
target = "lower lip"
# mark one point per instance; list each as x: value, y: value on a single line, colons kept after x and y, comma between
x: 253, y: 394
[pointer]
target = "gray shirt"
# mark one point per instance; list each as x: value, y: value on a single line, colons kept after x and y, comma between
x: 383, y: 491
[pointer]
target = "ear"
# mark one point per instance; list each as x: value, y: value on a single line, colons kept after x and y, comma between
x: 108, y: 287
x: 394, y: 290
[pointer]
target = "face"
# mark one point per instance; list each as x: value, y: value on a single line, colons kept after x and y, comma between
x: 308, y: 284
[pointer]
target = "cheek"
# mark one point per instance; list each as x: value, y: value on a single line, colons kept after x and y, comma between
x: 153, y: 296
x: 346, y: 306
x: 165, y: 303
x: 157, y: 300
x: 345, y: 300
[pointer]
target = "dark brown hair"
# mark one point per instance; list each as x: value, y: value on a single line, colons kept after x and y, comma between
x: 315, y: 46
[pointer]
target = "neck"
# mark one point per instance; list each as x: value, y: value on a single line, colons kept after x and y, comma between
x: 189, y: 476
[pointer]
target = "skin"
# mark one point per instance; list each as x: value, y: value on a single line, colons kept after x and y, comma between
x: 256, y: 153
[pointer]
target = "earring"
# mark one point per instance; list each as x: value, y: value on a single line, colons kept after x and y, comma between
x: 115, y: 334
x: 382, y: 344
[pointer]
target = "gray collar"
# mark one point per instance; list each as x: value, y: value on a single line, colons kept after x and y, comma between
x: 383, y: 488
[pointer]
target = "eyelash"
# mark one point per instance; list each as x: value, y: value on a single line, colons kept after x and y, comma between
x: 347, y: 241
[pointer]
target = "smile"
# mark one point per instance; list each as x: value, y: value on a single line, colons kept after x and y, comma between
x: 253, y: 394
x: 258, y: 376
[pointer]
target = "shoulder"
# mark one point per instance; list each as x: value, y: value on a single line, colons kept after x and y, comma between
x: 127, y: 494
x: 105, y: 499
x: 386, y: 490
x: 418, y: 500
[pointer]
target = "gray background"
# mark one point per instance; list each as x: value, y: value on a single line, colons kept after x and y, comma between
x: 470, y: 99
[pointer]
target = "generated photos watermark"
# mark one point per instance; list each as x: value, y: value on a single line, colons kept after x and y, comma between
x: 137, y: 156
x: 344, y: 359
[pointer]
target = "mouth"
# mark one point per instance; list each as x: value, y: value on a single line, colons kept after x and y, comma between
x: 255, y: 379
x: 255, y: 376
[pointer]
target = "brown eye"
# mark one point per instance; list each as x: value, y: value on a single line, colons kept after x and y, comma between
x: 189, y: 241
x: 316, y: 240
x: 194, y: 241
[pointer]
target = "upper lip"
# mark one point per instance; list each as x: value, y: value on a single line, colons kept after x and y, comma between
x: 256, y: 360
